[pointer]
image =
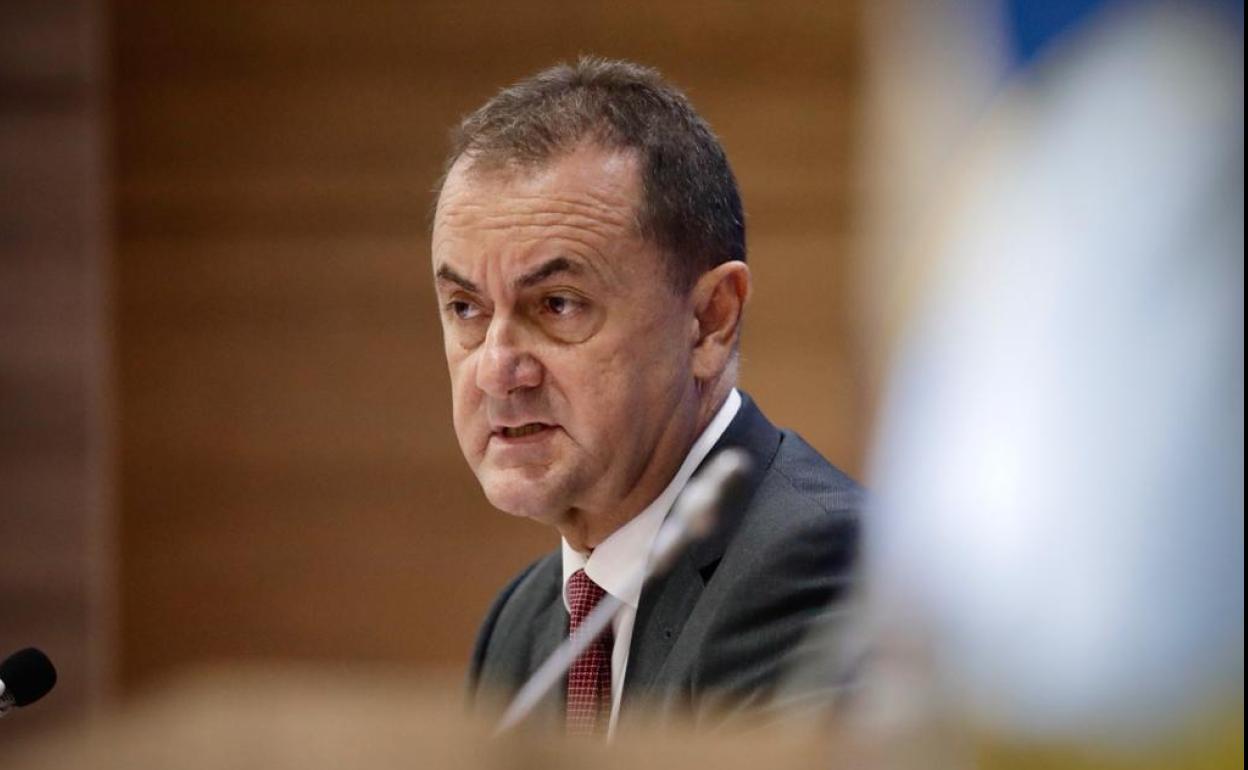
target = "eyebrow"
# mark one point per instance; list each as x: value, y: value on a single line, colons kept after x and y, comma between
x: 447, y: 274
x: 528, y: 280
x: 547, y: 269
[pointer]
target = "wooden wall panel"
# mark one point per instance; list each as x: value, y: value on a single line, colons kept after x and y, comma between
x: 55, y: 531
x: 290, y: 483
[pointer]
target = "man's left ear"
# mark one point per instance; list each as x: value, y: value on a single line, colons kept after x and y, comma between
x: 719, y: 298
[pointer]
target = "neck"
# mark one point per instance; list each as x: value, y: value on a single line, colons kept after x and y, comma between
x: 712, y: 396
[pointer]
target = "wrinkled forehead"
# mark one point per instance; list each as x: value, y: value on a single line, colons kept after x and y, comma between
x: 581, y: 208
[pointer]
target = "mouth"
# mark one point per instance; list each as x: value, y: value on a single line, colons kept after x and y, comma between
x: 523, y: 431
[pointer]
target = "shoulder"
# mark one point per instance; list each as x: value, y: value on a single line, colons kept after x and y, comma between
x: 802, y: 524
x: 803, y: 516
x: 805, y: 505
x: 798, y: 514
x: 800, y: 472
x: 808, y: 475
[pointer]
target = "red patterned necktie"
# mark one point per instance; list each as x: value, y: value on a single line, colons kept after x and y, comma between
x: 589, y: 679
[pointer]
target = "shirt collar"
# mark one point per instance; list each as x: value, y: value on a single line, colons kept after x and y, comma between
x: 625, y: 551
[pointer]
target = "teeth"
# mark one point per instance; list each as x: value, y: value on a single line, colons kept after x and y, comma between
x: 523, y: 430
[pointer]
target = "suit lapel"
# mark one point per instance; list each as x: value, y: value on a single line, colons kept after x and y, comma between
x: 549, y: 628
x: 661, y: 614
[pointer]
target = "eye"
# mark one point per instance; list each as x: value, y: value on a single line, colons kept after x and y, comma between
x: 463, y: 309
x: 561, y: 306
x: 566, y: 315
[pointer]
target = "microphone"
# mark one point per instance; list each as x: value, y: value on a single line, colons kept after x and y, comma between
x: 692, y: 518
x: 25, y: 677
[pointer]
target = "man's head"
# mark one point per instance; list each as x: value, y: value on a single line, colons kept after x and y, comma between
x: 588, y: 249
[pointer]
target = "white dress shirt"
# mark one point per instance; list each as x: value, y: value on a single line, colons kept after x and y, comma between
x: 613, y: 563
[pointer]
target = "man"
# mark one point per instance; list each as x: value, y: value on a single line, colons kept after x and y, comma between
x: 589, y: 258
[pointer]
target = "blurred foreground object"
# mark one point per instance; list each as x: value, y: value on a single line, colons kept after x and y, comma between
x: 1058, y: 546
x: 305, y: 718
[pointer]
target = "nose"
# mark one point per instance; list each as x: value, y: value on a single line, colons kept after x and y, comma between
x: 506, y: 364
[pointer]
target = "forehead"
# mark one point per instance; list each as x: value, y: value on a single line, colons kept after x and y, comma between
x: 589, y: 193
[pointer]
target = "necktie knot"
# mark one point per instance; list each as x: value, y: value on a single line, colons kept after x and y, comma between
x: 583, y: 595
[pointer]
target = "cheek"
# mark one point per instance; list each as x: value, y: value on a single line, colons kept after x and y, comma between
x: 465, y: 397
x: 641, y: 377
x: 604, y: 390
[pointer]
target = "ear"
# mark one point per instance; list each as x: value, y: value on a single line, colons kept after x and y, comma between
x: 719, y: 299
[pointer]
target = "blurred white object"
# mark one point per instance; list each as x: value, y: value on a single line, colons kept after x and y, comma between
x: 1060, y: 465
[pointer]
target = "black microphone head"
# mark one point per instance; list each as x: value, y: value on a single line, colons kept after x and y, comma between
x: 28, y: 675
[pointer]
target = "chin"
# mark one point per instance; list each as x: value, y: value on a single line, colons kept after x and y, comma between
x: 511, y: 493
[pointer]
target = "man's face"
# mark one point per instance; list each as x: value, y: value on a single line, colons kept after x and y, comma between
x: 569, y: 351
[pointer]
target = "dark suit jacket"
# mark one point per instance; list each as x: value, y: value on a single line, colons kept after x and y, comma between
x: 715, y: 633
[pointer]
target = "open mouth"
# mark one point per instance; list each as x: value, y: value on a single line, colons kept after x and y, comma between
x: 521, y: 431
